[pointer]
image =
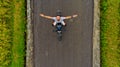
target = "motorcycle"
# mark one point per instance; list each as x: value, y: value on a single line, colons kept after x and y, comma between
x: 59, y: 27
x: 59, y: 31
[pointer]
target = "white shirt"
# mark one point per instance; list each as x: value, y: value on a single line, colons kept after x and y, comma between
x: 61, y: 19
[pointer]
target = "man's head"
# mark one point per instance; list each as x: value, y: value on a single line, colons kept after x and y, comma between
x: 58, y: 18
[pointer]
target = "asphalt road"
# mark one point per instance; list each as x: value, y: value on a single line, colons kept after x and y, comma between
x: 75, y: 50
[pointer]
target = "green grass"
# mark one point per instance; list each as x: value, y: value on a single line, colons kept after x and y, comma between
x: 6, y: 32
x: 110, y: 33
x: 18, y: 48
x: 12, y: 33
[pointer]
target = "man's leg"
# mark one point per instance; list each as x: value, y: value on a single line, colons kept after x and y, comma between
x: 54, y: 24
x: 63, y: 23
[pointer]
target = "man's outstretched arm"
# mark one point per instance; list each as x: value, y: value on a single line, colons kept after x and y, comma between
x: 48, y: 17
x: 69, y: 17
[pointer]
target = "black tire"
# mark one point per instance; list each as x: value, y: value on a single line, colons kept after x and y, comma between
x: 59, y: 13
x: 59, y: 36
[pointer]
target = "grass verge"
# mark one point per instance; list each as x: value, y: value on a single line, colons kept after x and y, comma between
x: 12, y: 33
x: 110, y: 33
x: 18, y: 48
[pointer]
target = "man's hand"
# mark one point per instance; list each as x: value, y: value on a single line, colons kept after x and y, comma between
x: 42, y: 15
x: 45, y: 16
x: 74, y: 16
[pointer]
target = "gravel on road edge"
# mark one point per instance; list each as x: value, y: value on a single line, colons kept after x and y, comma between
x: 29, y: 40
x: 96, y: 36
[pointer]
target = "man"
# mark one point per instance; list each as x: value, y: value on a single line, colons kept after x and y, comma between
x: 58, y: 19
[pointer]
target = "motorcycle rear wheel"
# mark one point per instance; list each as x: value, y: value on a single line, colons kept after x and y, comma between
x: 59, y: 36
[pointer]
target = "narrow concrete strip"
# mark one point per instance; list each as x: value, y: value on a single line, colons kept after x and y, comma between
x: 96, y: 34
x: 29, y: 51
